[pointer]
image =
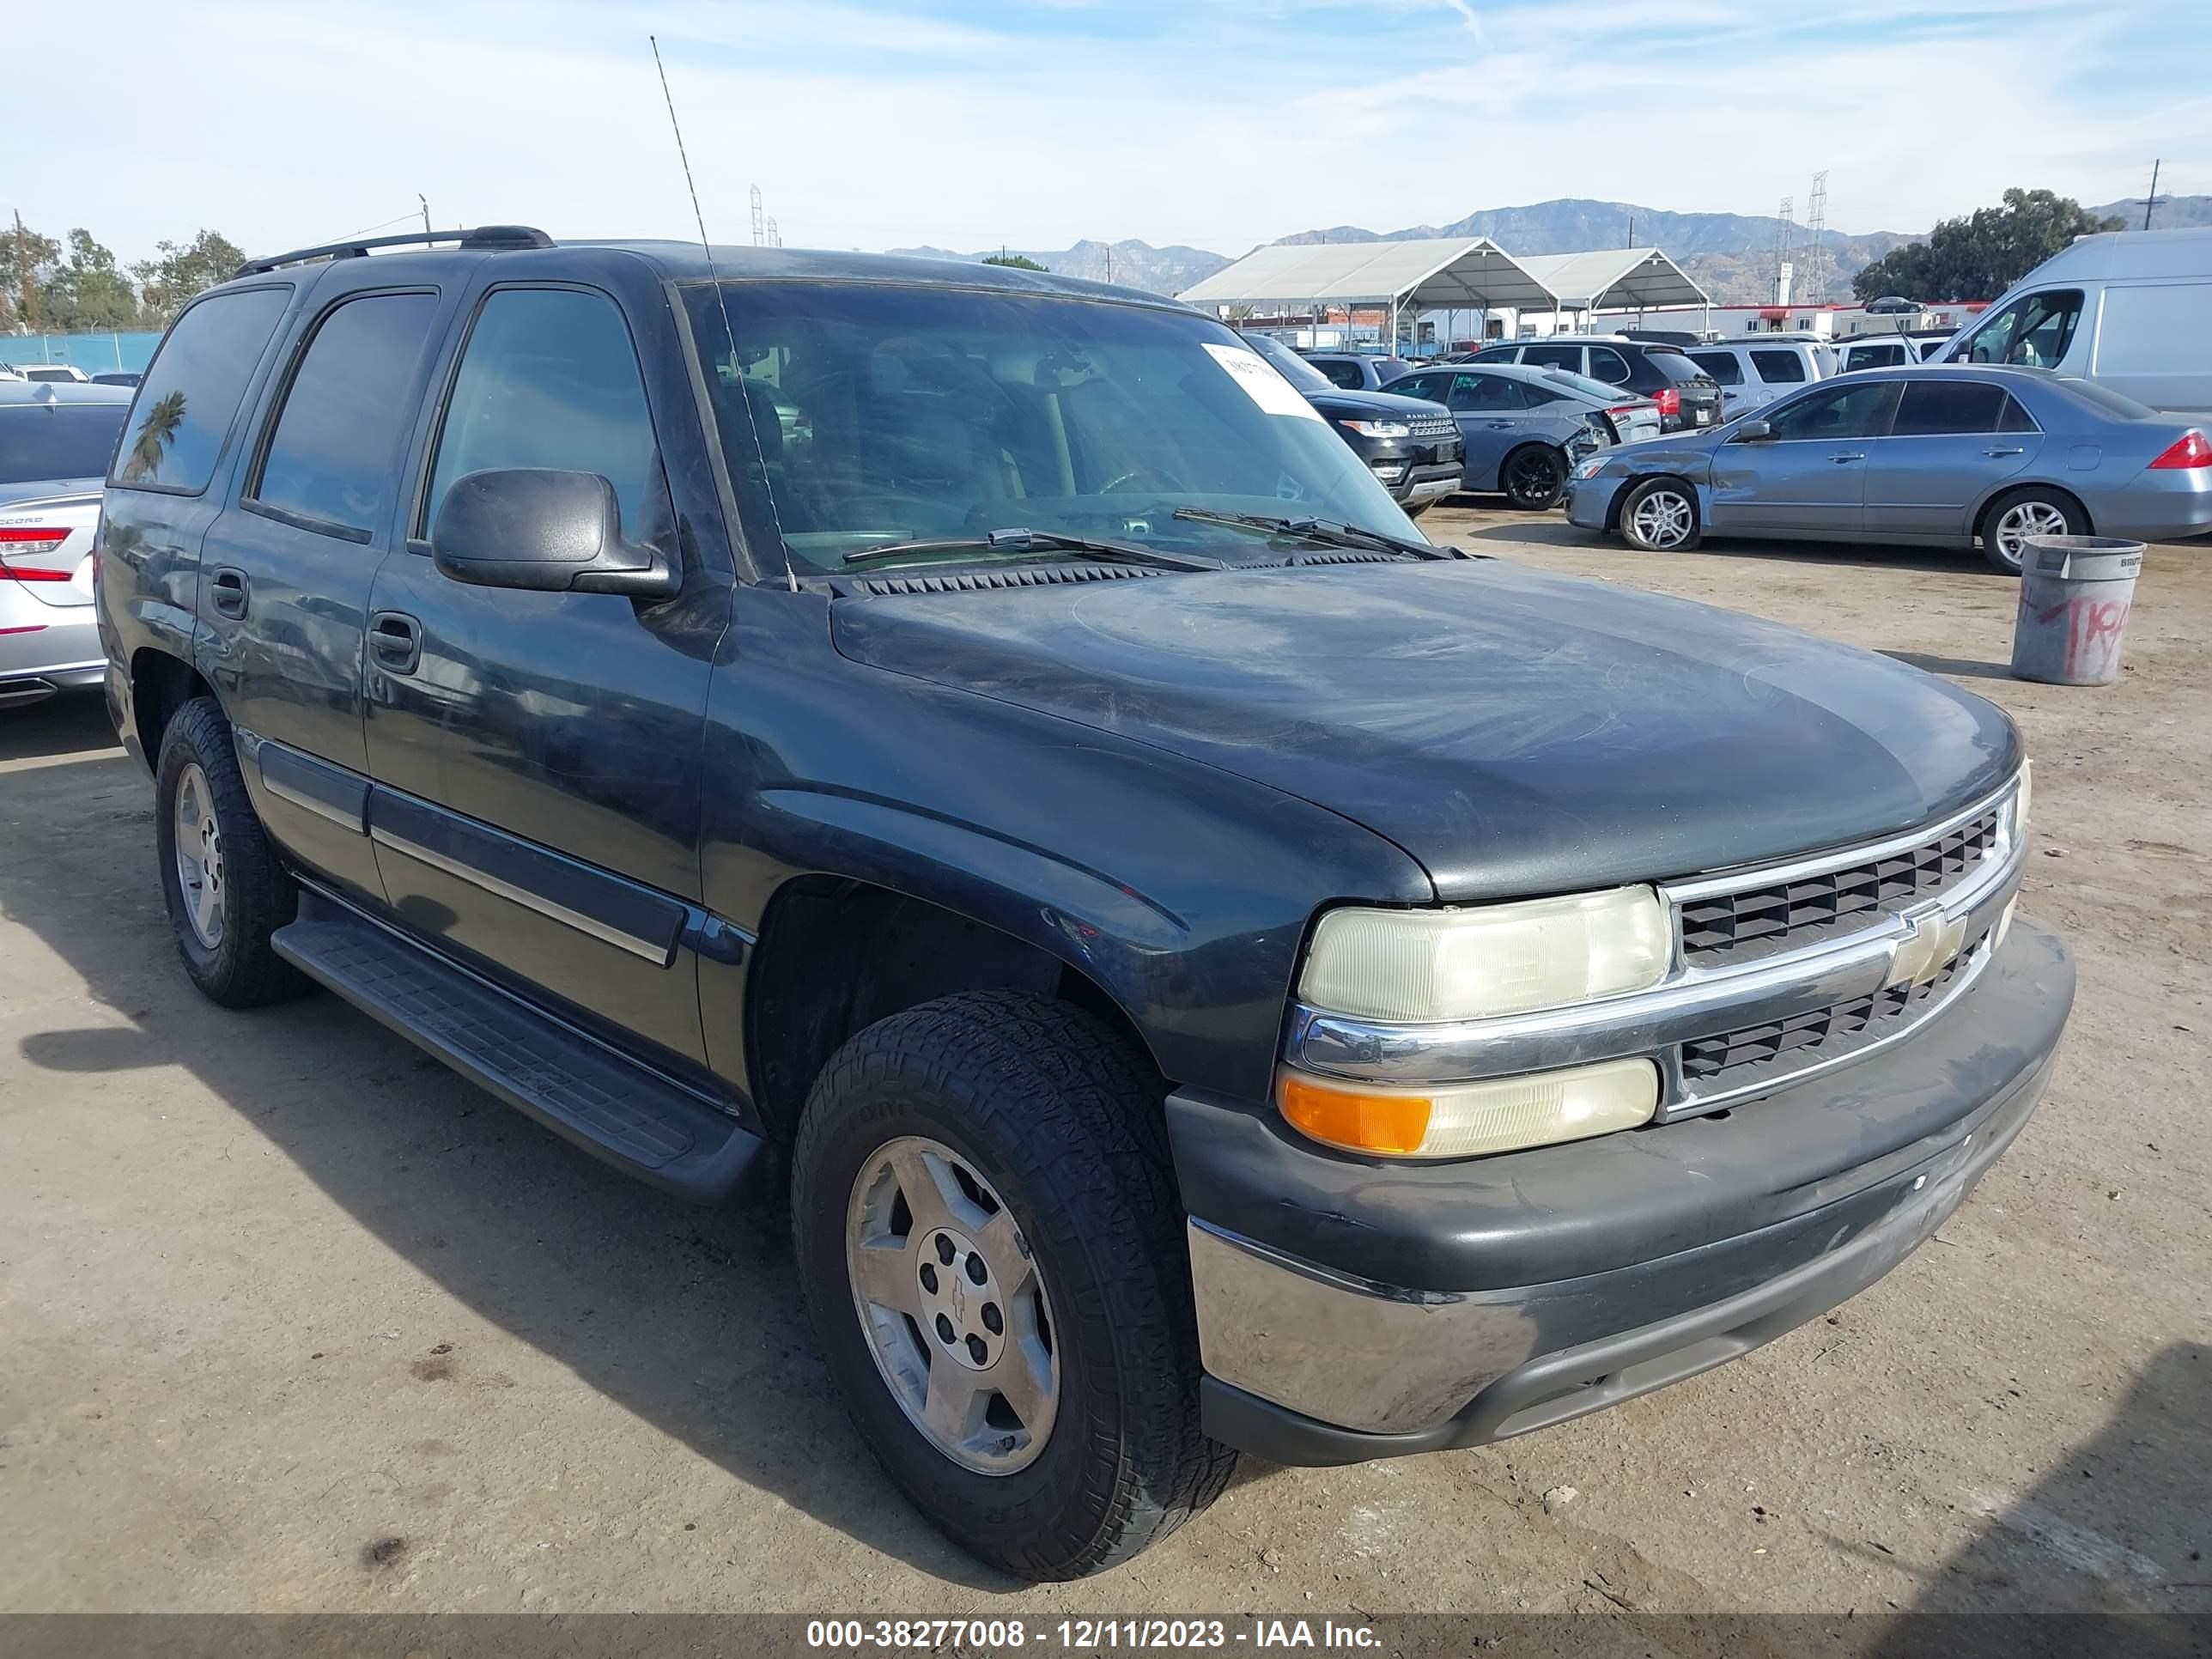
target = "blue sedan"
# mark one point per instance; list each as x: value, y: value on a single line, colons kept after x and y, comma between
x: 1928, y: 456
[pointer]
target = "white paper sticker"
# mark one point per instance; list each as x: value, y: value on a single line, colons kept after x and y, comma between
x: 1262, y: 382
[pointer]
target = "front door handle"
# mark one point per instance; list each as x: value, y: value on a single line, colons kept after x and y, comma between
x: 226, y: 588
x: 395, y: 640
x: 1501, y: 426
x: 2013, y: 449
x: 1841, y: 459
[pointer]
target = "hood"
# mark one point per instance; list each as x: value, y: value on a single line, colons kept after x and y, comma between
x: 1515, y: 732
x: 1365, y: 404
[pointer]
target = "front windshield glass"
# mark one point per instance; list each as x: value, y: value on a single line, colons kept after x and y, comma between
x: 856, y: 415
x: 1295, y: 369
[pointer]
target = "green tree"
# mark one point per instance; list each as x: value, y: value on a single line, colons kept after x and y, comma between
x: 1014, y: 261
x: 89, y: 290
x: 183, y: 269
x: 1978, y: 257
x: 27, y: 258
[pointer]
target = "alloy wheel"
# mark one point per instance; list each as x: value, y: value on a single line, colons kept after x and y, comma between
x: 1662, y: 519
x: 1535, y: 477
x: 199, y: 858
x: 2021, y: 520
x: 951, y: 1304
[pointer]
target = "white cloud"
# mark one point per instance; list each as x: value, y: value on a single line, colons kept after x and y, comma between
x: 870, y: 125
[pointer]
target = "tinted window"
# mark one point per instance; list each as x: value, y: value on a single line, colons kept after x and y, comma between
x: 1342, y: 374
x: 1419, y: 386
x: 40, y: 441
x: 1292, y: 367
x: 335, y: 451
x: 1670, y: 369
x: 1607, y: 365
x: 1930, y: 407
x: 1553, y: 356
x: 1476, y: 394
x: 1886, y: 353
x: 1843, y: 411
x: 1498, y: 354
x: 1723, y: 365
x: 549, y: 379
x: 1779, y: 368
x: 2016, y: 419
x: 187, y: 400
x: 2034, y: 330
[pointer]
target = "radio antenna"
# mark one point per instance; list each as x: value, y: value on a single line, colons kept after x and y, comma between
x: 722, y: 300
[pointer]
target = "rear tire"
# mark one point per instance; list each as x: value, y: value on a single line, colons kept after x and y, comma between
x: 1534, y: 477
x: 226, y: 891
x: 1035, y: 1106
x: 1660, y: 515
x: 2032, y: 510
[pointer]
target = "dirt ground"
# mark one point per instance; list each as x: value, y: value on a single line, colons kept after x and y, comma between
x: 293, y: 1320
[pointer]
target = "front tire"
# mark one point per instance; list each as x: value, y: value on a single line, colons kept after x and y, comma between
x: 990, y: 1247
x: 2019, y: 514
x: 1535, y: 477
x: 226, y: 891
x: 1660, y: 515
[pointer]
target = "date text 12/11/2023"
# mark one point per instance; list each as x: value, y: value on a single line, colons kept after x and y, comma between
x: 1087, y: 1635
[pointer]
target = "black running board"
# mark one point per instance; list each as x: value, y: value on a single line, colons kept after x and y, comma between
x: 620, y: 1113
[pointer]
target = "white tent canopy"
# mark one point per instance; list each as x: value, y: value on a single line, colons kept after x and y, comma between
x: 1619, y: 279
x: 1469, y: 272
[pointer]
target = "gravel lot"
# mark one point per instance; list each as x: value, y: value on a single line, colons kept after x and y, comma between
x: 293, y: 1320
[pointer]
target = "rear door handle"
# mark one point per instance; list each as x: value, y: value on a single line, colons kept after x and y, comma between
x: 1841, y: 459
x: 228, y: 592
x: 395, y: 640
x: 2014, y: 449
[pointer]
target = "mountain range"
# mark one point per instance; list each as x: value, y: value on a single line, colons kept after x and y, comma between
x: 1729, y: 255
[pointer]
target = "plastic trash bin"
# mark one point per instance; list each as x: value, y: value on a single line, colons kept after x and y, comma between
x: 2074, y: 592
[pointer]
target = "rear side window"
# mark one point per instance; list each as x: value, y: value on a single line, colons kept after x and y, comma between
x: 1930, y: 408
x: 549, y: 379
x: 1473, y: 394
x: 1779, y: 368
x: 334, y: 454
x: 40, y: 441
x: 1607, y: 365
x: 1723, y: 365
x: 1554, y: 356
x: 1341, y: 374
x: 191, y: 394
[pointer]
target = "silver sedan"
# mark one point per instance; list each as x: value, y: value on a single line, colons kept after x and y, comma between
x: 1928, y: 456
x: 55, y: 443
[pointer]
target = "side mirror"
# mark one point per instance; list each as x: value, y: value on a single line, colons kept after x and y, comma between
x: 546, y: 531
x: 1754, y: 432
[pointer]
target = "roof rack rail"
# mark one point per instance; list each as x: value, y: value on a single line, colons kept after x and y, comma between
x: 483, y: 239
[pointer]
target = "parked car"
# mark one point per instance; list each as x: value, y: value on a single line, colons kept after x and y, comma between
x: 1752, y: 373
x: 1356, y: 371
x: 1526, y: 429
x: 55, y: 442
x: 1413, y: 448
x: 1887, y: 350
x: 1939, y: 457
x: 1686, y: 394
x: 117, y: 377
x: 53, y: 374
x: 2131, y: 310
x: 1218, y: 971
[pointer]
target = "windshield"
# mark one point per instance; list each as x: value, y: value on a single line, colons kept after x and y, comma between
x: 856, y: 415
x: 40, y: 441
x: 1295, y: 369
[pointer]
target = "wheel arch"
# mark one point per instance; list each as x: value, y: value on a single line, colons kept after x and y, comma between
x: 1990, y: 498
x: 161, y: 683
x: 1638, y: 481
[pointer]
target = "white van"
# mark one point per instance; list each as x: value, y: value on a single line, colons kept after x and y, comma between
x: 2130, y: 309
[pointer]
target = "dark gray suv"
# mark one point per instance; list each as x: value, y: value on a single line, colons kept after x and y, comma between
x: 968, y: 758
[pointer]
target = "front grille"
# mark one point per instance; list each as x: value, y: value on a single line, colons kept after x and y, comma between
x: 1757, y: 920
x: 1802, y: 1040
x: 1427, y: 426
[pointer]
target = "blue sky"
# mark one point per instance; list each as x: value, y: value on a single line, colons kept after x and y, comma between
x: 868, y: 124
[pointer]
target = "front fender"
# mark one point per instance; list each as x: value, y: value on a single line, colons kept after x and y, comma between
x: 1182, y: 891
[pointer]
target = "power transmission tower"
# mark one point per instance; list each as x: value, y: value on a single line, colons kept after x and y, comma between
x: 1816, y: 247
x: 760, y: 228
x: 1787, y: 216
x: 774, y: 236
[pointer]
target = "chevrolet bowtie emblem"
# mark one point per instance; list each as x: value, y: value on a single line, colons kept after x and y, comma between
x: 1931, y: 941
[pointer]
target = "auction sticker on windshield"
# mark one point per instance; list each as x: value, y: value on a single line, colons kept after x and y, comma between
x: 1261, y: 382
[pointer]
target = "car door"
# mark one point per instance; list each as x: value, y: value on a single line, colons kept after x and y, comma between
x: 1807, y: 475
x: 1952, y: 443
x: 535, y: 753
x: 1491, y: 410
x: 287, y: 570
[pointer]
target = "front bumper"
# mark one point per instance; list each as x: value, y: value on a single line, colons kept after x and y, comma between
x: 1425, y: 484
x: 1588, y: 500
x: 1350, y: 1308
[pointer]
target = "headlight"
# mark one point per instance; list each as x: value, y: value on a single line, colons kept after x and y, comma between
x: 1467, y: 1119
x: 2021, y: 797
x: 1590, y: 468
x: 1378, y: 429
x: 1426, y: 965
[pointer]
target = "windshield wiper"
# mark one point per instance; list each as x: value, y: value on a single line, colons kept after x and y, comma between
x: 1321, y: 531
x: 1036, y: 541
